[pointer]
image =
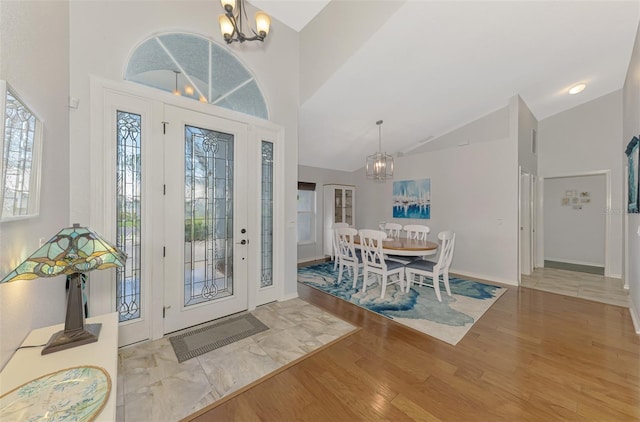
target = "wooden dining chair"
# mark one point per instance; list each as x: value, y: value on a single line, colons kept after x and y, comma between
x: 346, y: 254
x: 374, y: 261
x: 434, y: 270
x: 334, y: 240
x: 416, y: 231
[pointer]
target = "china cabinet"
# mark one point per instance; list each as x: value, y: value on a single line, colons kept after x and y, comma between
x: 339, y: 207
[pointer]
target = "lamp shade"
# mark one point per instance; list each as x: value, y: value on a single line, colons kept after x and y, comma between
x: 226, y: 4
x: 226, y: 27
x: 379, y: 166
x: 263, y: 22
x: 72, y: 250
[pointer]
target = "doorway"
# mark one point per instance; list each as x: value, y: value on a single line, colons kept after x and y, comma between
x: 575, y: 226
x: 191, y: 193
x: 527, y: 223
x: 206, y: 258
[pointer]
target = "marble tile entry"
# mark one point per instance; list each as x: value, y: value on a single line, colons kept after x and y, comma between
x: 153, y: 386
x: 593, y: 287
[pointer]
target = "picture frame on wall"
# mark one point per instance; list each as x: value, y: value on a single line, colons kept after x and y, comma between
x: 633, y: 159
x: 412, y: 199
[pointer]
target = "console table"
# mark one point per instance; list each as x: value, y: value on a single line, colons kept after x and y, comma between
x: 28, y: 364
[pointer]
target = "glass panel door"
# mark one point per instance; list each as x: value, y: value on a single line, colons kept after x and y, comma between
x: 208, y: 219
x: 348, y: 206
x: 205, y: 218
x: 338, y: 206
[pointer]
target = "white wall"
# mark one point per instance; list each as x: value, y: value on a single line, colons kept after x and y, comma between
x: 100, y: 47
x: 474, y: 191
x: 323, y: 51
x: 494, y: 125
x: 579, y: 141
x: 631, y: 128
x: 34, y: 56
x: 320, y: 177
x: 571, y: 235
x: 526, y: 124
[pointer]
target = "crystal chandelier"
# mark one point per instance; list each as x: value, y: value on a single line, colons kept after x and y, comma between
x: 379, y: 165
x: 232, y: 20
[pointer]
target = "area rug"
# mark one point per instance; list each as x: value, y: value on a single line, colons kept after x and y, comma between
x: 419, y: 309
x: 205, y: 339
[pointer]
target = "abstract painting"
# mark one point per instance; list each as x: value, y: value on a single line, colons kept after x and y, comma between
x: 412, y: 199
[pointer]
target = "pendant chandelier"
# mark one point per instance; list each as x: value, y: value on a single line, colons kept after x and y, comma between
x: 379, y: 165
x: 232, y: 21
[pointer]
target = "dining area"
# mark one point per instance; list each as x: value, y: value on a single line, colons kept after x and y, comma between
x: 393, y: 254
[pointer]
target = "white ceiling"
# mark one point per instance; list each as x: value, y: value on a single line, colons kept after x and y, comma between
x: 437, y: 65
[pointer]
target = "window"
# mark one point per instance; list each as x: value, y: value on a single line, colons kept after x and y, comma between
x: 266, y: 278
x: 306, y: 213
x: 129, y: 213
x: 194, y: 67
x: 20, y: 143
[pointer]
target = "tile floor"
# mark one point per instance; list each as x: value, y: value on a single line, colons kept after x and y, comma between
x: 583, y: 285
x: 153, y: 386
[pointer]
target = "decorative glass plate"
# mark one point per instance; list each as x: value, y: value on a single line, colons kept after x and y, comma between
x: 74, y: 394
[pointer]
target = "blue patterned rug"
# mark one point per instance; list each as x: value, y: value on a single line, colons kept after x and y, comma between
x: 419, y: 309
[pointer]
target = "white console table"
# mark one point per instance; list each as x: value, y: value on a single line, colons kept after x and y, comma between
x: 28, y: 364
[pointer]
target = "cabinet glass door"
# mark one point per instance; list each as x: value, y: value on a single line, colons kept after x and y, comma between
x: 348, y: 206
x: 337, y: 204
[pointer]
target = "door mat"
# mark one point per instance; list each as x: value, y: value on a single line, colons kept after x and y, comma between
x: 202, y: 340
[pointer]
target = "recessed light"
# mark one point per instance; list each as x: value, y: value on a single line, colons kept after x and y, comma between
x: 576, y: 89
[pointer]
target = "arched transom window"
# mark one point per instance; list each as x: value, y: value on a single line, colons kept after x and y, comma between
x: 197, y: 68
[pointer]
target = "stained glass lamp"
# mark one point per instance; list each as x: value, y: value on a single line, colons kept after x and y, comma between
x: 74, y: 250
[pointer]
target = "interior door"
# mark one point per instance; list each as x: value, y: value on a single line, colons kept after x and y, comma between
x: 525, y: 224
x: 206, y: 237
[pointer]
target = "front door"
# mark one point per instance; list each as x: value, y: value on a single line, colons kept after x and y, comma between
x: 205, y: 218
x: 193, y: 199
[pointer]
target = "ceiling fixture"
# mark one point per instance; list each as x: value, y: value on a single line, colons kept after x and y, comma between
x: 176, y: 91
x: 232, y: 20
x: 189, y: 91
x: 576, y: 89
x: 379, y: 165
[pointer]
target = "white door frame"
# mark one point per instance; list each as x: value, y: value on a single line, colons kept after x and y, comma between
x: 102, y: 287
x: 525, y: 226
x: 607, y: 219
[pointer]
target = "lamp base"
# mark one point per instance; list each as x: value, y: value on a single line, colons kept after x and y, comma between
x: 67, y: 339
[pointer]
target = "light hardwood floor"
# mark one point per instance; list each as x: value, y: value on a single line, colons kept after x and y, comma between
x: 533, y: 356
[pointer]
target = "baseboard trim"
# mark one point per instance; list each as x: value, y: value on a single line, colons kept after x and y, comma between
x: 289, y: 297
x: 570, y: 261
x: 485, y: 277
x: 318, y: 258
x: 633, y: 310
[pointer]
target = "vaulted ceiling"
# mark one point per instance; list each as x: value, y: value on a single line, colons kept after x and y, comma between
x: 428, y: 67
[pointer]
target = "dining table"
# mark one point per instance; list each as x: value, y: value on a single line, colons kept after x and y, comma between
x: 402, y: 246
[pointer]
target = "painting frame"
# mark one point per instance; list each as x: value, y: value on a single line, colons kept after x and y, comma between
x: 633, y: 160
x: 412, y: 199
